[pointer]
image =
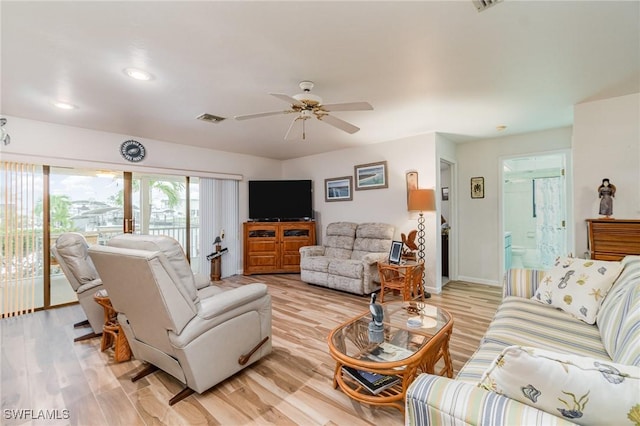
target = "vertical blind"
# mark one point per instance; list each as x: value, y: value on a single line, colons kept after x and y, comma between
x: 21, y: 259
x: 219, y: 211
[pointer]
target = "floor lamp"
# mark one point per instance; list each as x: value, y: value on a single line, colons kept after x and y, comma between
x: 422, y: 200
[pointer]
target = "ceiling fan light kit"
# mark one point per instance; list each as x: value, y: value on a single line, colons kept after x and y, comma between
x: 307, y: 105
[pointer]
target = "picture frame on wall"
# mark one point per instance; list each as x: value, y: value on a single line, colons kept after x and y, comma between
x: 371, y: 176
x: 477, y: 187
x: 338, y: 189
x: 412, y: 183
x: 445, y: 193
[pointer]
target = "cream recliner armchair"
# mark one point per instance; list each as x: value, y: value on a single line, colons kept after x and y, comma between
x: 71, y: 252
x: 198, y: 337
x: 174, y: 252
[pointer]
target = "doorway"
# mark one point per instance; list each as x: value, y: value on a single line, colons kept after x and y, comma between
x: 445, y: 195
x: 535, y: 210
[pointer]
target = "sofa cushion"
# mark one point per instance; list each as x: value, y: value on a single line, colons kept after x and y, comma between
x: 578, y: 286
x: 339, y: 239
x: 526, y: 322
x: 342, y: 283
x: 346, y: 268
x: 436, y: 400
x: 342, y: 228
x: 338, y: 247
x: 315, y: 263
x: 619, y: 316
x: 521, y: 282
x: 581, y: 389
x: 372, y: 238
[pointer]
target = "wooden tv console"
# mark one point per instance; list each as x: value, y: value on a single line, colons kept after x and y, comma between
x: 272, y: 247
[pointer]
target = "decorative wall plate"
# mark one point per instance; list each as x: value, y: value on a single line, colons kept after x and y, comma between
x: 132, y: 150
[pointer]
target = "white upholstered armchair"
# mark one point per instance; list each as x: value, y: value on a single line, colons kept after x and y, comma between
x: 71, y: 252
x: 200, y: 337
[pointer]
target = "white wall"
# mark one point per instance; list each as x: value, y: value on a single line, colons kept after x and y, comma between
x: 606, y: 144
x: 387, y: 205
x: 45, y: 143
x: 480, y: 238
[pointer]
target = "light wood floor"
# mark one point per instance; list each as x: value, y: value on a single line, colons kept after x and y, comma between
x: 43, y: 370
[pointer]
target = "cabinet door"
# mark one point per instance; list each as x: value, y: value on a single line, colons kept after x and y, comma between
x: 293, y: 237
x: 262, y: 251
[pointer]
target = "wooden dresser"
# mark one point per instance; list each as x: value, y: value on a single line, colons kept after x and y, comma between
x: 613, y: 239
x: 272, y: 247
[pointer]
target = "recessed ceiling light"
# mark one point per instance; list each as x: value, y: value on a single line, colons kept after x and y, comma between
x: 501, y: 128
x: 138, y: 74
x: 63, y: 105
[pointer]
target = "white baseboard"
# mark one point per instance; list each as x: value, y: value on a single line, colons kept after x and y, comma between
x: 479, y: 281
x: 432, y: 290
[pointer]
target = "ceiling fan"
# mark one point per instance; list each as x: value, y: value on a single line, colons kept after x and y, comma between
x: 307, y: 105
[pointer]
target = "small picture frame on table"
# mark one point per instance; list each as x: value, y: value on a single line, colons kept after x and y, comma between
x: 477, y: 187
x: 395, y: 254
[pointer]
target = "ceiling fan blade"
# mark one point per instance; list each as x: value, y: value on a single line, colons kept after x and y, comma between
x: 340, y: 124
x: 294, y: 131
x: 288, y: 99
x: 260, y: 114
x: 348, y: 106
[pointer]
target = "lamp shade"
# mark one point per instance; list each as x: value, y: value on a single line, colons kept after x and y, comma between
x: 422, y: 200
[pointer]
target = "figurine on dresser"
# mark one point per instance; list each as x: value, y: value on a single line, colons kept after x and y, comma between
x: 606, y: 192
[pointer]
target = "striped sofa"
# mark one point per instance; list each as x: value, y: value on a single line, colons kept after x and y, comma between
x: 521, y: 321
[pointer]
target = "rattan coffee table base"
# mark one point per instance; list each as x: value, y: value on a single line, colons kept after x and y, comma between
x: 424, y: 360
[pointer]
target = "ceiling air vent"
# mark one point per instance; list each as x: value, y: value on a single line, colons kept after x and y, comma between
x: 210, y: 118
x: 483, y: 4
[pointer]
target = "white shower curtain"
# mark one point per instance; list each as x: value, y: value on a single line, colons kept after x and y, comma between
x: 549, y: 230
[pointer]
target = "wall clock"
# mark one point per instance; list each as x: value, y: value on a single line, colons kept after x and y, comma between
x: 132, y: 151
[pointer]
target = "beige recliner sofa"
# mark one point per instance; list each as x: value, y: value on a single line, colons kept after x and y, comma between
x: 348, y: 258
x: 200, y: 337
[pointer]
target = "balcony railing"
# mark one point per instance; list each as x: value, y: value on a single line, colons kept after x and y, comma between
x: 30, y: 262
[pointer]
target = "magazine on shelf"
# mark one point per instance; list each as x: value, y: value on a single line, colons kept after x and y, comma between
x: 373, y: 382
x: 387, y: 352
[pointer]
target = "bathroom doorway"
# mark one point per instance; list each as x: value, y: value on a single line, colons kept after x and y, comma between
x: 535, y: 210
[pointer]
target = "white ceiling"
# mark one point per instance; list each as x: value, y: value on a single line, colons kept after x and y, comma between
x: 424, y: 66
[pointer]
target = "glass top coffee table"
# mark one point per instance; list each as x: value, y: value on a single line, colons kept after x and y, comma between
x: 377, y: 365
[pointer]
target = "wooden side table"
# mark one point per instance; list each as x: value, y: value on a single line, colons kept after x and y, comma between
x: 406, y: 278
x: 112, y: 333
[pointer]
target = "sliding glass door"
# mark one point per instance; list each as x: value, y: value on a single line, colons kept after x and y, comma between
x: 86, y: 201
x: 165, y: 205
x: 39, y: 203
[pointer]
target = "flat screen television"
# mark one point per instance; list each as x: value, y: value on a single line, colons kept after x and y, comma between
x: 280, y: 200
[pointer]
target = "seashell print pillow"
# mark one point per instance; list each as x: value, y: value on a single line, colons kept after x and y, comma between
x: 578, y: 286
x: 583, y: 390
